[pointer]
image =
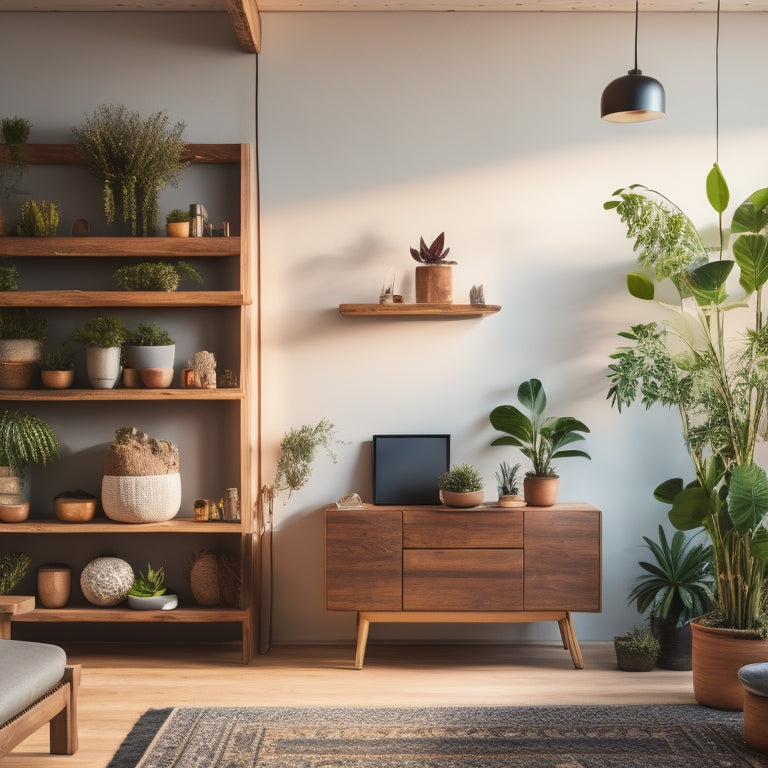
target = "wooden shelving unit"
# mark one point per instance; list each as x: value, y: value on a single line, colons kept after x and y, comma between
x: 236, y: 400
x: 418, y: 310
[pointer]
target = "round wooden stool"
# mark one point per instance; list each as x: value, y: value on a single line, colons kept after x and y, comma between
x: 754, y: 678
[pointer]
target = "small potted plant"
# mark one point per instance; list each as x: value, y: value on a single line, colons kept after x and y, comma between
x: 103, y: 338
x: 13, y: 568
x: 676, y: 588
x: 540, y: 438
x: 57, y: 367
x: 25, y: 439
x: 22, y: 332
x: 155, y: 276
x: 461, y: 486
x: 509, y: 485
x: 434, y: 278
x: 150, y: 351
x: 9, y: 277
x: 177, y: 223
x: 38, y: 219
x: 149, y: 593
x: 636, y: 651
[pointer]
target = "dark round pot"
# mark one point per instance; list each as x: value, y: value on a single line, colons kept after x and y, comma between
x: 675, y: 644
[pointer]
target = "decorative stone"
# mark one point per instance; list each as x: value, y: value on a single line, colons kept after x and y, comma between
x: 105, y: 581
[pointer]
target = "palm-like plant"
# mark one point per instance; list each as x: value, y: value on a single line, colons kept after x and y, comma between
x: 25, y: 439
x: 715, y: 376
x: 677, y: 586
x: 541, y: 439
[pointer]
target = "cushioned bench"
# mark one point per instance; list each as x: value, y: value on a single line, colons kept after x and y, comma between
x: 37, y: 687
x: 754, y: 678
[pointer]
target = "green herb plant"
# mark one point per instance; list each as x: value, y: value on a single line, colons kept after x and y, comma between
x: 541, y: 439
x: 135, y: 158
x: 62, y: 358
x: 107, y: 331
x: 640, y: 641
x: 707, y: 363
x: 9, y: 277
x: 22, y: 323
x: 13, y: 568
x: 461, y: 478
x: 155, y: 275
x: 26, y: 439
x: 38, y: 219
x: 149, y: 584
x: 148, y: 335
x: 177, y: 215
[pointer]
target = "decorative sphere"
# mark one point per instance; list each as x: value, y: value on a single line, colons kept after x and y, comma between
x: 105, y: 581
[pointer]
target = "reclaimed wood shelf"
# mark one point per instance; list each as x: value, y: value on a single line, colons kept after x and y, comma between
x: 124, y: 299
x: 121, y: 615
x: 418, y: 310
x: 120, y: 247
x: 112, y: 395
x: 104, y: 525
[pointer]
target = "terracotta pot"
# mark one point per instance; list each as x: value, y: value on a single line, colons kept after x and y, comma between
x: 540, y: 491
x: 74, y: 510
x: 177, y: 229
x: 156, y: 378
x: 54, y: 584
x: 716, y: 657
x: 434, y: 284
x: 57, y: 379
x: 14, y: 513
x: 464, y: 500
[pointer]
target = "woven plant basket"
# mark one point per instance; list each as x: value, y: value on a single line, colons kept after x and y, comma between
x: 141, y: 499
x: 17, y: 375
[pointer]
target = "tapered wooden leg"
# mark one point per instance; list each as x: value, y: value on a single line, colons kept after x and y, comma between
x: 362, y: 639
x: 570, y: 642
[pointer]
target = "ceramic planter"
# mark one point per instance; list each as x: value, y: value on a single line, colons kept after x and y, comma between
x: 716, y: 657
x: 57, y: 379
x: 177, y: 229
x: 540, y: 491
x: 54, y: 584
x: 103, y: 365
x: 165, y: 602
x: 139, y: 357
x: 675, y: 644
x: 463, y: 500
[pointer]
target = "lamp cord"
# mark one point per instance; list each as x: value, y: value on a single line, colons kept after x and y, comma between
x: 637, y: 21
x: 717, y: 86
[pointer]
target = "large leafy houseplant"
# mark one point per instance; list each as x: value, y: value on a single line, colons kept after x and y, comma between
x: 708, y: 360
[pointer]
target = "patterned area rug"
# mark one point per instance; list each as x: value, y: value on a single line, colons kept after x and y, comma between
x: 440, y: 737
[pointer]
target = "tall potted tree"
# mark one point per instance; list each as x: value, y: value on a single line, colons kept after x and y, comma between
x: 706, y: 363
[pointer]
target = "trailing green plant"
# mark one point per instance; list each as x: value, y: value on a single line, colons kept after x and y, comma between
x: 62, y: 358
x: 9, y: 277
x: 177, y: 215
x: 22, y: 323
x: 149, y: 584
x: 38, y: 219
x: 541, y: 439
x: 506, y: 477
x: 155, y: 275
x: 106, y: 331
x: 461, y: 478
x: 148, y: 335
x: 707, y: 363
x: 298, y: 449
x: 13, y: 568
x: 15, y: 132
x: 678, y: 584
x: 135, y: 158
x: 432, y: 254
x: 26, y: 439
x: 640, y: 641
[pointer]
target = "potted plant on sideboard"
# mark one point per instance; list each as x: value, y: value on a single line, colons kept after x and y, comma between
x: 461, y: 486
x: 706, y: 361
x: 676, y: 587
x: 541, y: 439
x: 509, y: 485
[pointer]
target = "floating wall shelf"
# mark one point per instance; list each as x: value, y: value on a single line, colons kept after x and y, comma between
x: 418, y: 310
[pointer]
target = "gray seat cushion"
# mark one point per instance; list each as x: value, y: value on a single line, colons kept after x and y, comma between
x: 27, y: 671
x: 754, y: 677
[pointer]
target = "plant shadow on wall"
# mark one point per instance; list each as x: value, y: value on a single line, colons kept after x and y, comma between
x: 708, y: 359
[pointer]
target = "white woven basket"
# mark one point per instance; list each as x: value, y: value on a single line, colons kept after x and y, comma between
x: 141, y: 499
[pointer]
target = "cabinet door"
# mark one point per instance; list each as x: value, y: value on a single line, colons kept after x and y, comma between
x: 463, y: 580
x: 562, y: 559
x: 363, y: 560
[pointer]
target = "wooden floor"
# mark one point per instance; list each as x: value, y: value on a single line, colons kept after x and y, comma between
x: 119, y: 684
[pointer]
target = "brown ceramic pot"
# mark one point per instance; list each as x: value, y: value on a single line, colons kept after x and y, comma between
x: 14, y: 513
x: 716, y: 657
x: 463, y: 500
x: 54, y: 584
x: 57, y: 379
x: 177, y: 229
x: 434, y: 284
x: 540, y: 491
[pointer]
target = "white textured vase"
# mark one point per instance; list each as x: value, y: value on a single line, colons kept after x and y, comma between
x: 141, y: 498
x: 103, y: 364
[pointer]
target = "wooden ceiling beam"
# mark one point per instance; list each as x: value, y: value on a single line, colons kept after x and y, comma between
x: 245, y: 19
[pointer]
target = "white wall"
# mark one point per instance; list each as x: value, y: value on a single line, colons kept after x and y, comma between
x: 375, y: 129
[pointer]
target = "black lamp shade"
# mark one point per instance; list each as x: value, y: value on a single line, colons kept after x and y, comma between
x: 632, y: 99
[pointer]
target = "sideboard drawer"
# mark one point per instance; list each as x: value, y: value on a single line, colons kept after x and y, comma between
x: 463, y: 580
x: 462, y: 529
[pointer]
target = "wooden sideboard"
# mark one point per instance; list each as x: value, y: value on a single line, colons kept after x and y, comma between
x: 484, y: 565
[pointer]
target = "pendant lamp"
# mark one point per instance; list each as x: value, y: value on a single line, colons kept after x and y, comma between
x: 635, y: 97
